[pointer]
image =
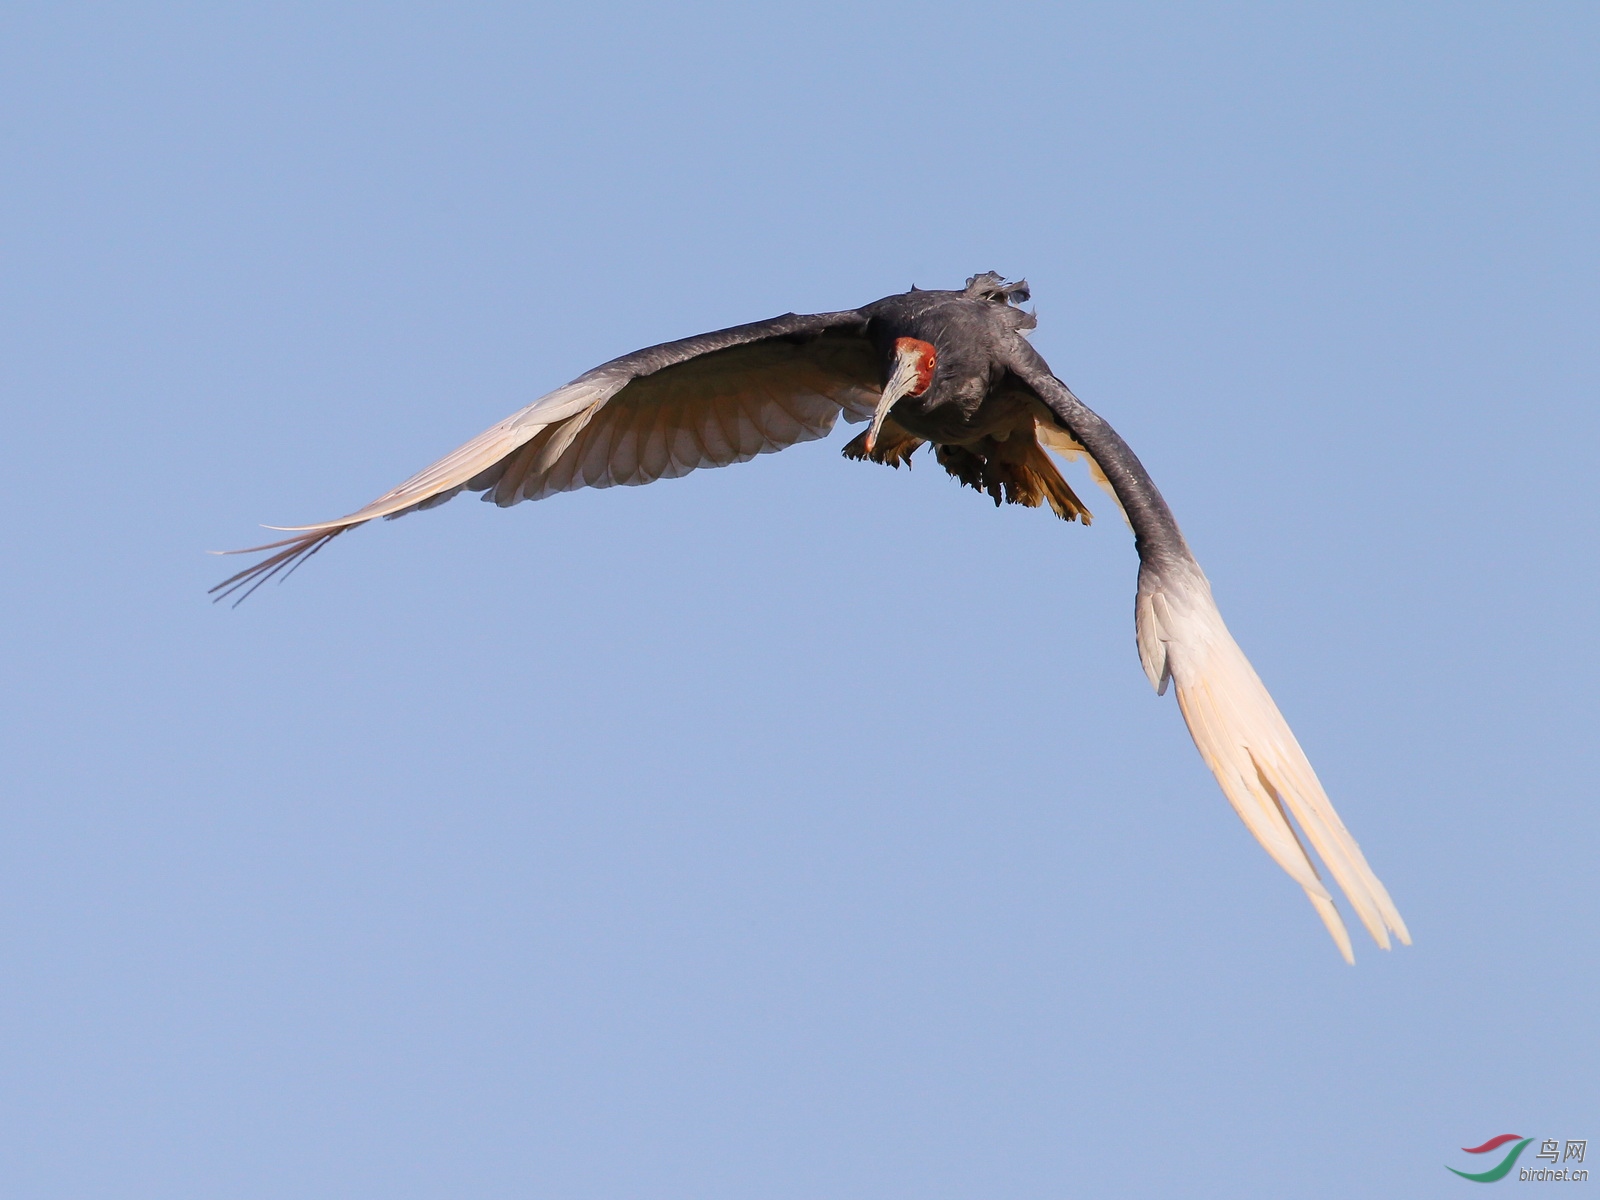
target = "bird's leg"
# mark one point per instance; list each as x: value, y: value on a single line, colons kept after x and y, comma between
x: 966, y: 466
x: 894, y: 446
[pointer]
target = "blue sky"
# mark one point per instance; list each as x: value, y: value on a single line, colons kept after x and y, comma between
x: 804, y: 828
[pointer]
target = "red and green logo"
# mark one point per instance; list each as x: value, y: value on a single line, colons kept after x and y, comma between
x: 1502, y: 1168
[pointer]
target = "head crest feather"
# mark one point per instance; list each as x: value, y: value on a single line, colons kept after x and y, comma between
x: 991, y: 285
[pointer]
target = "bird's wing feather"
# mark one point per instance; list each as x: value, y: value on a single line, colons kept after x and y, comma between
x: 1244, y: 739
x: 1053, y: 438
x: 704, y: 401
x: 1236, y: 726
x: 722, y: 408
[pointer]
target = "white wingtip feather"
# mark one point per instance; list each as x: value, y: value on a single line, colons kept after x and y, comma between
x: 1249, y: 747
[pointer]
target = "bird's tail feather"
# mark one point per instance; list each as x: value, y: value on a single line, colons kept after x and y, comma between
x: 1251, y: 750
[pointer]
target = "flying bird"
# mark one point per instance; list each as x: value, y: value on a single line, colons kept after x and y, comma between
x: 953, y: 370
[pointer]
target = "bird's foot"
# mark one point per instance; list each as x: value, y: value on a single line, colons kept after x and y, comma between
x: 894, y: 446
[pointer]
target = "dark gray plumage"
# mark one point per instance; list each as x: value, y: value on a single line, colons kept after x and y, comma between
x: 948, y: 368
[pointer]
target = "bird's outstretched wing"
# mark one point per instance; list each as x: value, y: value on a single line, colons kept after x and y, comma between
x: 1235, y: 724
x: 661, y: 412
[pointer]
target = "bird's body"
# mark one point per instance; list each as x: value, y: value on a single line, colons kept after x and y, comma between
x: 964, y: 400
x: 952, y: 369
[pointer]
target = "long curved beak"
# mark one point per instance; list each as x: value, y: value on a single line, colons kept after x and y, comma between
x: 898, y: 387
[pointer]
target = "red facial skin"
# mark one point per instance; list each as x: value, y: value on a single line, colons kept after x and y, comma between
x: 927, y: 359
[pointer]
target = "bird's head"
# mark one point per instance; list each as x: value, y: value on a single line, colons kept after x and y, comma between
x: 910, y: 374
